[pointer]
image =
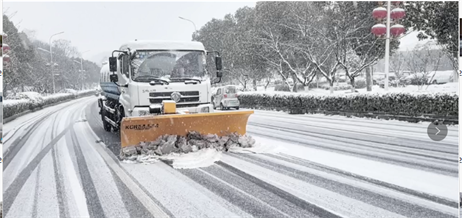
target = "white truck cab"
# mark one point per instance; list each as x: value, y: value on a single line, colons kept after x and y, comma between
x: 146, y: 73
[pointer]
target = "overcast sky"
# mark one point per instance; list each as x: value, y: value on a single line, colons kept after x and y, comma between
x: 103, y: 26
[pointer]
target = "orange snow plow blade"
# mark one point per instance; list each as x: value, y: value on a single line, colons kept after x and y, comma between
x: 148, y: 128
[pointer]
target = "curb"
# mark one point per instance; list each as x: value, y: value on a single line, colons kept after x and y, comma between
x: 13, y: 117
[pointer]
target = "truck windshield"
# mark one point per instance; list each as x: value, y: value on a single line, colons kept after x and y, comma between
x: 172, y: 65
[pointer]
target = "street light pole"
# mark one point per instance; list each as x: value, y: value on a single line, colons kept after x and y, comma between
x: 51, y: 61
x: 387, y: 46
x: 195, y: 29
x: 81, y: 65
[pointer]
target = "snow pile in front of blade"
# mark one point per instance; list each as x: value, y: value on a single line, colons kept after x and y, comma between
x: 190, y: 151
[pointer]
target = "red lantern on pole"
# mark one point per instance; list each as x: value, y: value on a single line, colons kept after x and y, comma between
x: 379, y: 13
x: 397, y: 13
x: 6, y: 58
x: 6, y: 48
x: 379, y: 29
x: 397, y: 30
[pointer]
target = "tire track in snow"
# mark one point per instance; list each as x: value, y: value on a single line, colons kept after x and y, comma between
x: 385, y: 202
x: 241, y: 199
x: 18, y: 143
x: 93, y: 202
x: 308, y: 207
x: 37, y: 184
x: 437, y: 155
x: 342, y: 120
x: 13, y: 190
x: 453, y: 171
x: 62, y: 199
x: 132, y: 203
x: 253, y: 195
x: 347, y: 137
x: 307, y: 163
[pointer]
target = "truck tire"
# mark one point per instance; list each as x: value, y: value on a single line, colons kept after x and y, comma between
x: 119, y: 116
x: 106, y: 125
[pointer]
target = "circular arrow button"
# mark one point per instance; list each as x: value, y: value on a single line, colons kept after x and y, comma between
x: 437, y: 131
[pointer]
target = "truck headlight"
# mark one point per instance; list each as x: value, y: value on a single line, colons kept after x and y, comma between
x: 205, y: 110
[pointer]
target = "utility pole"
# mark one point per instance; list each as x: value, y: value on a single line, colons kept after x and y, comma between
x: 387, y: 46
x: 51, y: 62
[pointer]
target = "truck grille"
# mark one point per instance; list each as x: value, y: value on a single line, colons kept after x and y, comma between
x: 186, y: 97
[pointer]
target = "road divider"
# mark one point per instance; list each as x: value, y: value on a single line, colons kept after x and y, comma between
x: 413, y: 107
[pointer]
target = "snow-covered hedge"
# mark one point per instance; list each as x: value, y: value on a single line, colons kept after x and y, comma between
x: 407, y: 104
x: 13, y: 107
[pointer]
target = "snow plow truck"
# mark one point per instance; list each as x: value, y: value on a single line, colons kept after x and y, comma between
x: 155, y: 88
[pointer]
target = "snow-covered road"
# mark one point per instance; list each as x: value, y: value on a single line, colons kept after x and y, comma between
x: 55, y: 166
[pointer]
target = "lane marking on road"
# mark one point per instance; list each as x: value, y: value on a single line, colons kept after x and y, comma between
x: 147, y: 202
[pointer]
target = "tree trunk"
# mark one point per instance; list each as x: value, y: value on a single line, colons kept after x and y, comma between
x: 254, y: 84
x: 294, y: 89
x: 352, y: 83
x: 317, y: 80
x: 331, y: 88
x: 267, y: 83
x: 368, y: 79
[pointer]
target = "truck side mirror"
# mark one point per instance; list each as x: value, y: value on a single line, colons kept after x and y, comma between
x: 112, y: 64
x: 219, y: 74
x: 114, y: 78
x: 218, y: 63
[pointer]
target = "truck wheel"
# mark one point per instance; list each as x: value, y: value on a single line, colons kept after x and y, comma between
x: 106, y: 125
x: 119, y: 116
x: 237, y: 108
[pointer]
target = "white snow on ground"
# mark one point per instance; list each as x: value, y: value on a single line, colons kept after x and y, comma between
x: 441, y: 88
x: 56, y: 96
x: 200, y: 158
x: 75, y: 193
x: 11, y: 102
x: 185, y: 198
x: 203, y: 157
x: 16, y: 127
x: 28, y: 96
x: 341, y: 205
x: 350, y: 119
x: 406, y: 177
x: 258, y: 148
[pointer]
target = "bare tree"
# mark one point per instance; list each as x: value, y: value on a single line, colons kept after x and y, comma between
x: 424, y: 60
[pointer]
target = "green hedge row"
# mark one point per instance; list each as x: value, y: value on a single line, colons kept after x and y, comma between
x: 22, y: 106
x: 407, y: 104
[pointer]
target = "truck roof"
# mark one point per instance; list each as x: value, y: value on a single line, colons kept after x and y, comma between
x: 162, y: 45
